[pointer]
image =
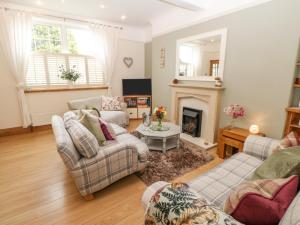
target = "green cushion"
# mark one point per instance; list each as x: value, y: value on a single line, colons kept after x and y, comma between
x: 280, y: 164
x: 92, y: 123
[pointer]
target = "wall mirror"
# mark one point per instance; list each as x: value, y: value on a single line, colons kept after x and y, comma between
x: 201, y: 57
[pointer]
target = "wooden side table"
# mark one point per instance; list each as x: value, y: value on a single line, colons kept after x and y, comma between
x: 234, y: 137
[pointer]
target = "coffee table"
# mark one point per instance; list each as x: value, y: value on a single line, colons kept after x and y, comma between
x: 160, y: 140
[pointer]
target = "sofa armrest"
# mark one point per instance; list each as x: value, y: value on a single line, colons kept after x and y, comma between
x: 123, y: 106
x: 260, y: 147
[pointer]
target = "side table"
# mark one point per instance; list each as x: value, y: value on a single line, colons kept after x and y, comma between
x: 233, y: 137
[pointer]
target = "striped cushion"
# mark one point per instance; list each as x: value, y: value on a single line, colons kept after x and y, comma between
x: 290, y: 140
x: 85, y: 142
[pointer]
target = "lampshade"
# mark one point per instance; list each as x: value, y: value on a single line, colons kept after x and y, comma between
x: 254, y: 129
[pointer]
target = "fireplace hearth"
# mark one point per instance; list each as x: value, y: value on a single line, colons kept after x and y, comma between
x: 191, y: 121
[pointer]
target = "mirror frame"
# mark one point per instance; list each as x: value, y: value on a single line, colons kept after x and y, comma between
x: 223, y: 33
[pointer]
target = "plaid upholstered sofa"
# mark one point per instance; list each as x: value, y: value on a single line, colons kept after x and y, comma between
x: 216, y: 184
x: 120, y: 117
x: 115, y: 160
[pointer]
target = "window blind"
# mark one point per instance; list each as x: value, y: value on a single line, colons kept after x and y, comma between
x: 44, y: 69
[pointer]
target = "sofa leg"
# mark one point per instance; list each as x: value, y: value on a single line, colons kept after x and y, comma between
x: 142, y: 171
x: 89, y: 197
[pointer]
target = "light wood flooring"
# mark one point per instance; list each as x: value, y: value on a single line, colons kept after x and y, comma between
x: 35, y: 187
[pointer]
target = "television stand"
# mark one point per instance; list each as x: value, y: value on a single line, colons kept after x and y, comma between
x: 137, y: 105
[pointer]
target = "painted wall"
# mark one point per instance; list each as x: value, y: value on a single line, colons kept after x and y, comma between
x: 136, y: 51
x: 148, y: 59
x: 260, y: 62
x: 43, y: 105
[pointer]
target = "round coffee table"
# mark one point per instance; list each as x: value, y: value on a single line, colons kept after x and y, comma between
x: 160, y: 140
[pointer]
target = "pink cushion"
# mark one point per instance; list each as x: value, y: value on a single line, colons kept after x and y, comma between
x: 254, y: 208
x: 106, y: 130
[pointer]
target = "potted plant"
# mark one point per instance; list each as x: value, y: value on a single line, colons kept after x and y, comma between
x: 71, y: 75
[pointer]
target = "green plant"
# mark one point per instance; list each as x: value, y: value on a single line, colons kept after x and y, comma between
x: 71, y: 74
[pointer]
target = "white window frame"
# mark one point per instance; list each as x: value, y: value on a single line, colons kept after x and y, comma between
x: 65, y: 53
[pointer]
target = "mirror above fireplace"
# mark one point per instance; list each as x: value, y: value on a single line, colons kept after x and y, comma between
x: 201, y: 57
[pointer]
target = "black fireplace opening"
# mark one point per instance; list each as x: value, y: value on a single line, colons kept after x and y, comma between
x: 191, y: 121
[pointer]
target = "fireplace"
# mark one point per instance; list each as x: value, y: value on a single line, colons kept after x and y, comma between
x: 191, y: 121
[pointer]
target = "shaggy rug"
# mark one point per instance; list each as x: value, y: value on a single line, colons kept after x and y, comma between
x: 173, y: 163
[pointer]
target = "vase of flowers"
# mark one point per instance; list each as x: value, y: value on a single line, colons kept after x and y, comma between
x: 71, y: 75
x: 160, y: 113
x: 234, y: 111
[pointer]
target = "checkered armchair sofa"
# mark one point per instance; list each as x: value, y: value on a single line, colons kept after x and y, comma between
x: 117, y: 159
x: 216, y: 184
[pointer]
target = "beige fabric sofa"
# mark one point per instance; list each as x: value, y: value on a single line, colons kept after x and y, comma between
x: 115, y: 160
x: 120, y: 118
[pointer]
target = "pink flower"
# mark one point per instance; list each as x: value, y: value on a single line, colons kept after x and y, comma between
x: 234, y: 111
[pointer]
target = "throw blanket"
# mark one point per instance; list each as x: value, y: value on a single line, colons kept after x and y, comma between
x: 177, y: 204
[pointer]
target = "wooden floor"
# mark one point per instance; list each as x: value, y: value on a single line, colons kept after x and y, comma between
x: 35, y: 187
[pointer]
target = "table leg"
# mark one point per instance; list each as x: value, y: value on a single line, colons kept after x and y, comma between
x: 178, y: 141
x: 164, y: 145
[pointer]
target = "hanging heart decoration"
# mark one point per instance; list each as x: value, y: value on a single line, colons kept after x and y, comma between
x: 128, y: 61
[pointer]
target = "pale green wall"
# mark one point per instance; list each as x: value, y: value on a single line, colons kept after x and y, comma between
x: 148, y: 59
x: 260, y: 62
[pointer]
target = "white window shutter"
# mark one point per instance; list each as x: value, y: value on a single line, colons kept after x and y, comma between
x: 95, y: 71
x: 36, y: 73
x: 54, y: 63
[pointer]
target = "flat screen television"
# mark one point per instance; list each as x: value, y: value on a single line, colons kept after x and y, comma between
x: 137, y: 87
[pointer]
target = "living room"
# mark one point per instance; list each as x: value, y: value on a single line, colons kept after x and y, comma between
x: 132, y: 112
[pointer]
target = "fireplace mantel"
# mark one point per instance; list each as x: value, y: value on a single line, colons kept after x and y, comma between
x: 208, y: 96
x: 197, y: 86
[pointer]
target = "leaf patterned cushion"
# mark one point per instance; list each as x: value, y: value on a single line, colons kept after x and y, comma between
x: 177, y: 204
x: 111, y: 103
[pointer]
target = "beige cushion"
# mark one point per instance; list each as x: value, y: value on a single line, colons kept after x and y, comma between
x: 84, y: 141
x: 92, y: 123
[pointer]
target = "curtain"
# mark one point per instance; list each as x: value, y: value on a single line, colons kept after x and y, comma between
x: 15, y: 39
x: 106, y: 50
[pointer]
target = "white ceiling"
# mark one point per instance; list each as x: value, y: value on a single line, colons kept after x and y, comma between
x: 160, y: 16
x: 138, y: 12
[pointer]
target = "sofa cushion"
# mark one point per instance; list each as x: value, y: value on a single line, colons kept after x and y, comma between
x: 176, y: 203
x: 92, y: 123
x: 83, y: 139
x: 117, y: 117
x: 216, y: 184
x: 111, y: 103
x: 107, y: 130
x: 85, y: 103
x: 118, y: 130
x: 142, y: 148
x: 280, y: 164
x: 251, y: 201
x: 290, y: 140
x: 292, y: 215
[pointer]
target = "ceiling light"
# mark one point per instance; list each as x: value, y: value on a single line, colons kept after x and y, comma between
x: 39, y: 2
x: 102, y: 6
x: 62, y: 1
x: 123, y: 17
x: 212, y: 40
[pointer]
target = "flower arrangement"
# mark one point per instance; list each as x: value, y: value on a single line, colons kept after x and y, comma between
x: 160, y: 112
x: 234, y: 111
x: 71, y: 75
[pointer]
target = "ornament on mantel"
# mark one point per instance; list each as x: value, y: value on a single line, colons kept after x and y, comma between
x: 218, y: 82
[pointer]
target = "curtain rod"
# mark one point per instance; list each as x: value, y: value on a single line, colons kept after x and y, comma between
x: 64, y: 18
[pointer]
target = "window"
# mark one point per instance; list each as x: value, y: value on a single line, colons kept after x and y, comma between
x: 57, y: 46
x: 214, y: 68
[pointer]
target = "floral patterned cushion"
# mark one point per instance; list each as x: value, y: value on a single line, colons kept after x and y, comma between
x: 176, y: 204
x: 111, y: 103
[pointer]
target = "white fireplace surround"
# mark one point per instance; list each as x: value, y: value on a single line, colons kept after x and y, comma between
x: 207, y: 99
